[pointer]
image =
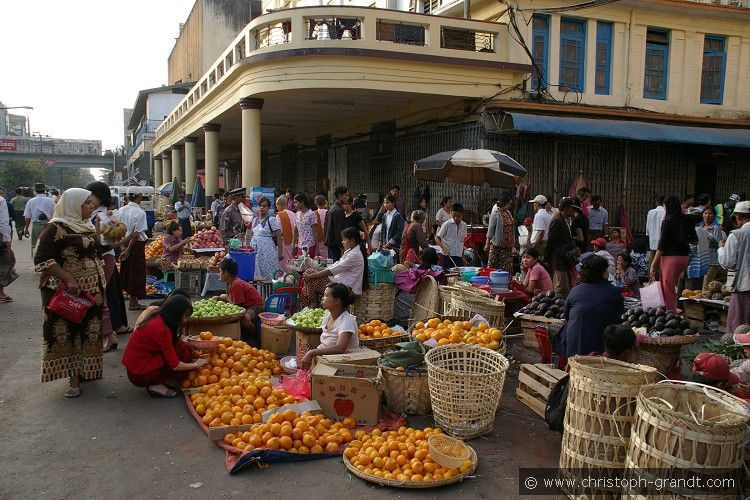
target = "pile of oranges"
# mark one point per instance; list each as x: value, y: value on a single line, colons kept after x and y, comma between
x: 232, y: 358
x: 289, y: 431
x: 401, y: 455
x: 454, y: 332
x: 376, y: 329
x: 155, y: 249
x: 241, y: 399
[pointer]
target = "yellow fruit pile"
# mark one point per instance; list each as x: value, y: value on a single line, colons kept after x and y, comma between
x: 455, y: 332
x: 152, y: 290
x: 376, y: 329
x: 238, y: 400
x: 114, y: 232
x: 288, y: 431
x: 155, y: 249
x: 231, y: 358
x: 401, y: 455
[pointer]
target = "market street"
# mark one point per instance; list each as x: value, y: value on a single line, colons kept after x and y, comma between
x: 117, y: 442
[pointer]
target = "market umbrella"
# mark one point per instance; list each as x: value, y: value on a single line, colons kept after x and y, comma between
x: 165, y: 189
x: 470, y: 166
x: 199, y: 196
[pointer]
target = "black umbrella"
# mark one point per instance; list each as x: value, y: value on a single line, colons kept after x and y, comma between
x: 471, y: 166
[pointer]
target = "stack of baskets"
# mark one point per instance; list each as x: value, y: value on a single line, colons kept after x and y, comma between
x: 375, y: 303
x: 663, y: 353
x: 600, y: 411
x: 465, y: 382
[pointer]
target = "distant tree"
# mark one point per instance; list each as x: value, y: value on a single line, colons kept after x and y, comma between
x: 15, y: 173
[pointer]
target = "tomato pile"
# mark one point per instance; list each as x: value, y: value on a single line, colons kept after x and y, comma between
x: 231, y: 359
x: 454, y: 332
x: 289, y: 431
x: 240, y: 399
x: 402, y: 455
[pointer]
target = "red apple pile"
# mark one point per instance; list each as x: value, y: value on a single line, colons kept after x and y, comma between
x: 207, y: 238
x: 216, y: 259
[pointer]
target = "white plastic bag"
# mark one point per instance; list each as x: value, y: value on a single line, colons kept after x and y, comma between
x: 651, y: 295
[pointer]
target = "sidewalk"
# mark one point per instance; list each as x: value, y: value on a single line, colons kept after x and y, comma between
x: 116, y: 442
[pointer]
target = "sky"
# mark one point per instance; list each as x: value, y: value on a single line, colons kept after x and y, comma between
x: 80, y: 62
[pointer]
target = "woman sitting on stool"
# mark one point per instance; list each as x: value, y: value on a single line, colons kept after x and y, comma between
x: 241, y: 293
x: 155, y: 354
x: 340, y: 331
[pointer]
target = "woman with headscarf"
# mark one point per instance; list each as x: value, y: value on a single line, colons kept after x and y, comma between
x: 501, y: 236
x: 287, y: 220
x: 67, y: 257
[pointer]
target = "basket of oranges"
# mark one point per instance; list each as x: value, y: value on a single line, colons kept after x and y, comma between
x: 446, y: 330
x: 379, y: 336
x: 392, y: 465
x: 205, y: 341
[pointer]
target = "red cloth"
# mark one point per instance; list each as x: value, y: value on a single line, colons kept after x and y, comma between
x: 164, y: 374
x: 244, y: 294
x: 150, y: 348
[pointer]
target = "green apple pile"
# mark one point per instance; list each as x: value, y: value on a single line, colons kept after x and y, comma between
x: 208, y: 308
x: 311, y: 318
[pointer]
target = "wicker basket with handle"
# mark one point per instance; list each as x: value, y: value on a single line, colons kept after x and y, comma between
x: 466, y: 382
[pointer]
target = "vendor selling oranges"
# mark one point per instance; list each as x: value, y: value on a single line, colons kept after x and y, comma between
x: 155, y: 354
x: 241, y: 293
x: 339, y: 325
x: 350, y: 270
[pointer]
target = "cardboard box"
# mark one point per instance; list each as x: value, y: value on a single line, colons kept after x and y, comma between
x: 347, y: 391
x: 305, y: 342
x: 276, y: 339
x: 361, y: 356
x: 231, y: 330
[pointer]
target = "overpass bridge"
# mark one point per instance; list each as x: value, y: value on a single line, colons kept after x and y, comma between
x: 61, y: 160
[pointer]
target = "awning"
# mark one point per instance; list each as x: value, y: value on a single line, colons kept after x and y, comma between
x: 633, y: 130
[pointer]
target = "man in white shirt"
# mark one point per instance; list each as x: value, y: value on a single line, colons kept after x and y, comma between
x: 654, y: 218
x: 38, y: 211
x: 133, y: 257
x: 540, y: 226
x: 184, y: 210
x: 216, y: 208
x: 734, y: 254
x: 450, y: 237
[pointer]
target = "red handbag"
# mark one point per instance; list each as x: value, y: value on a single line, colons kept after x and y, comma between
x: 69, y: 306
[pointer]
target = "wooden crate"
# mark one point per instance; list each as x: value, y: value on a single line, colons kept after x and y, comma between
x: 697, y: 311
x: 535, y: 382
x: 528, y: 325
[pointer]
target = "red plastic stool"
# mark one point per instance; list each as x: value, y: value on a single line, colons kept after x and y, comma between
x: 542, y: 340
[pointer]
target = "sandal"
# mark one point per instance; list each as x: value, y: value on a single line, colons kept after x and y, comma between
x: 73, y: 392
x: 109, y: 347
x: 167, y: 395
x: 6, y: 299
x: 139, y: 307
x: 128, y: 330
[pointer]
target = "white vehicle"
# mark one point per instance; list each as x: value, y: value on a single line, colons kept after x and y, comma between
x: 147, y: 203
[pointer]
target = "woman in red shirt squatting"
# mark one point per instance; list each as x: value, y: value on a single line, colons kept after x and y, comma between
x: 155, y: 354
x: 241, y: 293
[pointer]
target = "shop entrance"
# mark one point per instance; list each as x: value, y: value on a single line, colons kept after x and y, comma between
x: 705, y: 179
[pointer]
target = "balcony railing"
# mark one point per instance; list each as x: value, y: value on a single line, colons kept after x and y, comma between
x: 357, y: 27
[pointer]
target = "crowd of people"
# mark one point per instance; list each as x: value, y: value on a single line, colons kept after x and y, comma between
x: 571, y: 249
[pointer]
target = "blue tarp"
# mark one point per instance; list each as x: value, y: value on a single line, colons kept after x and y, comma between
x: 633, y: 130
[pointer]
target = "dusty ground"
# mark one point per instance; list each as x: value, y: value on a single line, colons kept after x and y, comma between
x: 116, y: 442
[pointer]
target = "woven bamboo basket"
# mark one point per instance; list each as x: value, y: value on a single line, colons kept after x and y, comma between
x: 600, y: 411
x: 466, y: 382
x: 683, y: 429
x: 383, y: 344
x: 427, y: 302
x: 468, y: 306
x: 215, y: 320
x: 406, y: 391
x: 375, y: 303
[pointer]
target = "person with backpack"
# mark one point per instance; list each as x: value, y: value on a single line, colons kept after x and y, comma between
x: 671, y: 258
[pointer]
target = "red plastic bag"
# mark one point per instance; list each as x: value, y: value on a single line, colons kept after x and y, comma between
x: 297, y: 385
x: 69, y: 306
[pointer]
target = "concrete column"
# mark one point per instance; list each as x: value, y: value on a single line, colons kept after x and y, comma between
x: 157, y: 171
x: 228, y: 179
x: 190, y: 165
x: 211, y: 131
x: 166, y: 166
x: 177, y: 166
x: 251, y: 108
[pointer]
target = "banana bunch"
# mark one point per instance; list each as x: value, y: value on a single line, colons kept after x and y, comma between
x: 114, y: 232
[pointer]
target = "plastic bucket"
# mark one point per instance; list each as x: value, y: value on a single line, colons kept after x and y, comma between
x: 499, y: 279
x: 480, y: 280
x: 245, y: 264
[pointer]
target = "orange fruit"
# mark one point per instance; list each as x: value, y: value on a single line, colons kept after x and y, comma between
x: 332, y: 447
x: 285, y: 442
x: 273, y: 443
x: 316, y: 449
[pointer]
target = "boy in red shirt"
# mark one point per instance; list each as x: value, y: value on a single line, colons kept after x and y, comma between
x: 241, y: 293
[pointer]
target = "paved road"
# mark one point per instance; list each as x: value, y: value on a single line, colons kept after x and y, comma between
x: 116, y: 442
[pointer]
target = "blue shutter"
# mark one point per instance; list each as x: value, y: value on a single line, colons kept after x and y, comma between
x: 714, y: 65
x: 540, y: 50
x: 572, y: 54
x: 603, y: 57
x: 656, y: 69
